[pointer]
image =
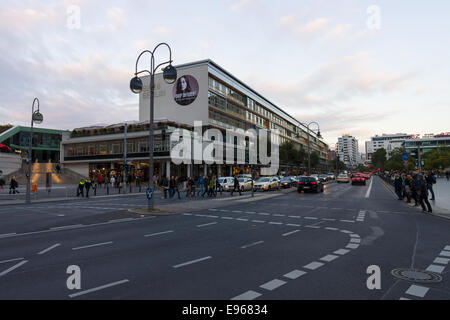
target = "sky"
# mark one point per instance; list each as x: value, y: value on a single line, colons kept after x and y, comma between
x: 356, y: 67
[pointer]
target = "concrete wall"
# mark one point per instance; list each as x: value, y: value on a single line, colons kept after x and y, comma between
x: 10, y: 162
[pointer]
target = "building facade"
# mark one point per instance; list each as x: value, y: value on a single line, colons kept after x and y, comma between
x: 46, y: 142
x: 386, y: 141
x: 204, y: 92
x: 424, y: 145
x: 348, y: 150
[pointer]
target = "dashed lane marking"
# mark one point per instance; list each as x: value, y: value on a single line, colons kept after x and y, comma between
x: 341, y: 251
x: 49, y: 248
x: 13, y: 268
x: 249, y: 295
x: 441, y: 260
x: 74, y: 295
x: 435, y: 268
x: 93, y: 245
x: 192, y: 262
x: 329, y: 258
x: 417, y: 291
x: 11, y: 260
x: 289, y: 233
x: 271, y: 285
x: 158, y: 233
x: 251, y: 244
x: 313, y: 265
x: 294, y: 274
x: 206, y: 224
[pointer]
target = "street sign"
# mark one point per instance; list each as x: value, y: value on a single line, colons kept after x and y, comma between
x: 405, y: 156
x: 149, y: 193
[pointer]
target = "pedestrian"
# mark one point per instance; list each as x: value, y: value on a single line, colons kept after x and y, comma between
x: 2, y: 183
x: 236, y: 185
x: 447, y: 174
x: 13, y: 185
x: 95, y: 186
x: 414, y: 189
x: 80, y: 189
x: 100, y: 180
x: 206, y: 185
x: 423, y: 194
x: 398, y: 186
x: 58, y: 168
x: 430, y: 178
x: 408, y: 188
x: 113, y: 181
x: 212, y: 186
x: 172, y: 186
x: 201, y: 184
x: 88, y: 185
x: 218, y: 186
x: 178, y: 186
x: 164, y: 185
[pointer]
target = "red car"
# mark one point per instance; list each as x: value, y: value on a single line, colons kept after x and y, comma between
x: 358, y: 179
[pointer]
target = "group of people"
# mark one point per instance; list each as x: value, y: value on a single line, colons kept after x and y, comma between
x: 13, y: 185
x: 416, y: 187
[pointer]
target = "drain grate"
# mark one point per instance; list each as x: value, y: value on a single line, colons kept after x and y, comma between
x: 415, y: 275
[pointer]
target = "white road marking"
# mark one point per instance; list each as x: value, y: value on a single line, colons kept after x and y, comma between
x: 279, y: 215
x: 435, y: 268
x: 212, y: 216
x: 227, y: 218
x: 346, y: 231
x: 354, y: 240
x: 93, y: 245
x: 441, y: 260
x: 191, y: 262
x: 294, y: 216
x: 417, y: 291
x: 349, y: 221
x: 354, y: 235
x: 341, y: 251
x: 13, y: 268
x: 447, y: 248
x: 158, y: 233
x: 293, y: 225
x: 327, y: 219
x: 67, y: 227
x: 445, y: 253
x: 258, y: 221
x: 273, y: 222
x: 6, y: 235
x: 313, y: 265
x: 206, y: 224
x: 370, y: 188
x: 11, y: 260
x: 189, y: 214
x: 352, y: 246
x: 249, y: 295
x: 312, y: 227
x: 237, y: 211
x: 264, y: 214
x: 404, y: 298
x: 311, y: 218
x: 98, y: 288
x: 271, y: 285
x: 332, y: 229
x: 294, y: 274
x: 250, y: 212
x: 329, y: 258
x: 49, y: 248
x: 241, y: 219
x: 289, y: 233
x: 120, y: 220
x: 251, y: 244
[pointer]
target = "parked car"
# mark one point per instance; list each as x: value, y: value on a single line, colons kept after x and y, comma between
x: 323, y: 177
x: 358, y: 179
x: 245, y: 184
x: 331, y: 176
x: 227, y: 183
x: 266, y: 184
x: 343, y: 178
x: 287, y: 182
x: 309, y: 184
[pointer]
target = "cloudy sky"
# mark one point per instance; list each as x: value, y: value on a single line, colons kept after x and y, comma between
x: 355, y: 66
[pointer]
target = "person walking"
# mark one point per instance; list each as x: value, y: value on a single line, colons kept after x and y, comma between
x: 13, y: 185
x: 201, y: 184
x: 212, y: 186
x: 398, y: 186
x: 206, y: 185
x: 87, y: 185
x: 178, y: 186
x: 2, y: 183
x: 423, y: 194
x: 430, y: 178
x: 100, y: 180
x: 172, y: 185
x: 218, y: 186
x: 414, y: 189
x: 80, y: 189
x: 236, y: 185
x: 408, y: 188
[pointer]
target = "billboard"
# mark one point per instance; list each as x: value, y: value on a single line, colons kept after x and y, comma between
x: 185, y: 90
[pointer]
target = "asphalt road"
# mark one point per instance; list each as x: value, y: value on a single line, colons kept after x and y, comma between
x: 280, y: 245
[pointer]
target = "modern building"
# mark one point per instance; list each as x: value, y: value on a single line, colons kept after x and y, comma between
x: 386, y: 141
x: 203, y: 92
x: 46, y: 142
x: 348, y: 150
x: 424, y: 145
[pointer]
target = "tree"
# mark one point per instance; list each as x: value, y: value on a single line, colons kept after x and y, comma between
x: 379, y: 158
x: 4, y: 127
x: 332, y: 165
x: 437, y: 159
x: 395, y: 162
x: 315, y: 159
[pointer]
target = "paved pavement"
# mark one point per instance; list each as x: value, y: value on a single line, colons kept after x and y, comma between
x: 442, y: 194
x: 280, y: 246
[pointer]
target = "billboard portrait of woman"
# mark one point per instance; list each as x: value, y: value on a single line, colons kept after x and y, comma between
x: 185, y: 90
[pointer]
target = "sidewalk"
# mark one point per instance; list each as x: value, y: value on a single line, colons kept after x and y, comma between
x: 439, y: 206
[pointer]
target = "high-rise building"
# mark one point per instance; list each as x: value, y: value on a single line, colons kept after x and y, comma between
x: 348, y: 150
x: 386, y: 141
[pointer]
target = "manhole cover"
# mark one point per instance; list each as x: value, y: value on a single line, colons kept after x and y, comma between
x: 416, y: 275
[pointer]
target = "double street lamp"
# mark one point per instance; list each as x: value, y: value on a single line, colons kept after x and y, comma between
x: 136, y: 85
x: 36, y: 117
x: 309, y: 147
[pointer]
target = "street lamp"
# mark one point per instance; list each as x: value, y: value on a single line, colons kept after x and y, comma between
x: 36, y: 117
x: 136, y: 85
x: 309, y: 148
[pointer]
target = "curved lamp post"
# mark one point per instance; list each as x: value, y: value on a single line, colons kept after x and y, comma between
x: 36, y: 117
x: 136, y: 85
x: 309, y: 148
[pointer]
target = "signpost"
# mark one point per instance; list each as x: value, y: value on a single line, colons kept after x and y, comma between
x: 149, y: 193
